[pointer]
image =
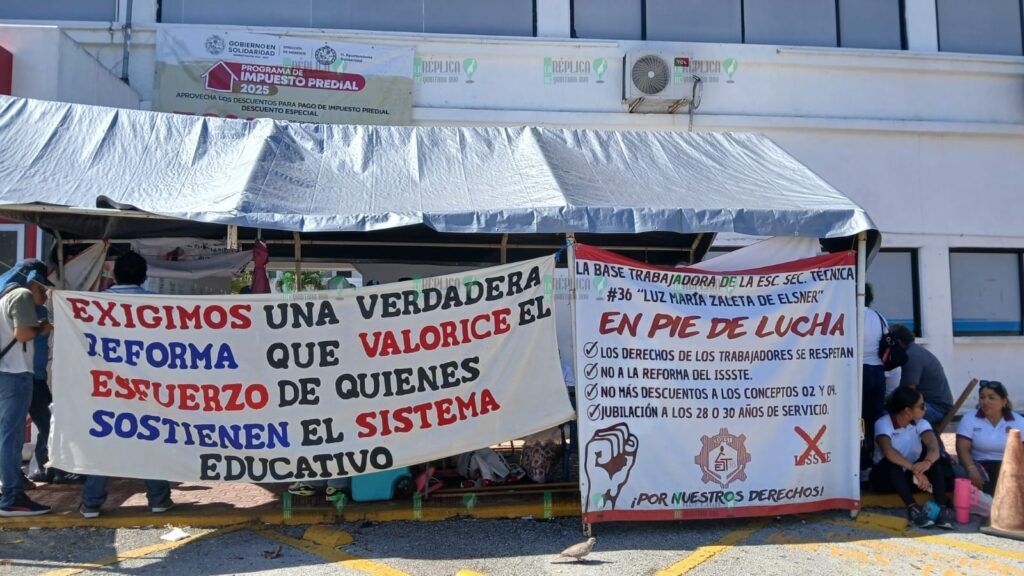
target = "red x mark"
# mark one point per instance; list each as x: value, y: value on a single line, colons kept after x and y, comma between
x: 812, y: 445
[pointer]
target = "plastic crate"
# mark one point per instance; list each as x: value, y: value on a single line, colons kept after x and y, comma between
x: 379, y: 485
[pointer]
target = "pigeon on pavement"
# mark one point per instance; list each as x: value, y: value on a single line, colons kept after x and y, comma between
x: 579, y: 551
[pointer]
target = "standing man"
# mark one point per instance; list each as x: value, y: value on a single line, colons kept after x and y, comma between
x: 40, y: 410
x: 873, y: 390
x: 22, y: 288
x: 924, y: 372
x: 129, y: 276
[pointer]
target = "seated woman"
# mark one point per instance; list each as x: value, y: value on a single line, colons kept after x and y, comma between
x: 907, y: 452
x: 981, y: 436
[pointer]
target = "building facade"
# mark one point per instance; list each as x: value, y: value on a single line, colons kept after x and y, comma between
x: 913, y: 108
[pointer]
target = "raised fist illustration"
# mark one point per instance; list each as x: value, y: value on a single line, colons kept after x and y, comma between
x: 610, y: 456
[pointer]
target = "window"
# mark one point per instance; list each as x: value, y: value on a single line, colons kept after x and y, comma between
x: 611, y: 19
x: 894, y: 283
x: 11, y: 244
x: 871, y: 24
x: 851, y: 23
x: 85, y: 10
x: 790, y: 22
x: 695, y: 20
x: 980, y: 26
x: 491, y: 17
x: 986, y: 289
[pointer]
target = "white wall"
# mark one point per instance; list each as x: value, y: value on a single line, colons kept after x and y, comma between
x: 35, y: 52
x: 920, y: 183
x: 49, y: 65
x: 84, y: 80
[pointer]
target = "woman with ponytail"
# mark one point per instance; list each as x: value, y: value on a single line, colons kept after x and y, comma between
x: 907, y: 454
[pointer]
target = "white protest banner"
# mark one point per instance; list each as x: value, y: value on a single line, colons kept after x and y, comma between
x: 238, y: 74
x: 716, y: 394
x: 267, y: 388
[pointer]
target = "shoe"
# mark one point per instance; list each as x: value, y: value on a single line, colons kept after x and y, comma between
x: 68, y: 478
x: 330, y: 493
x: 162, y: 507
x: 23, y: 506
x: 88, y: 511
x: 918, y: 517
x: 41, y: 477
x: 945, y: 519
x: 301, y: 489
x: 27, y: 484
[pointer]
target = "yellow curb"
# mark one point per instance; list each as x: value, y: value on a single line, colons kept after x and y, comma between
x: 881, y: 528
x: 333, y: 555
x: 326, y: 536
x: 890, y: 500
x: 434, y: 514
x: 116, y: 519
x: 383, y: 512
x: 882, y: 521
x: 468, y: 573
x: 137, y: 553
x: 705, y: 553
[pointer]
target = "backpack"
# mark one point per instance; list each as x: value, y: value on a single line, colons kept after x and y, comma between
x: 892, y: 354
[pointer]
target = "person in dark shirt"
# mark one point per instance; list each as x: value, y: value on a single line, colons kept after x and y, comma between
x: 129, y: 276
x: 924, y: 372
x: 39, y: 411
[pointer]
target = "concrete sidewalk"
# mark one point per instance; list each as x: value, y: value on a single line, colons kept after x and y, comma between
x: 226, y: 504
x: 128, y: 497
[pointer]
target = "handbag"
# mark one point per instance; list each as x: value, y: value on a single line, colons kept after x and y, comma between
x: 889, y: 351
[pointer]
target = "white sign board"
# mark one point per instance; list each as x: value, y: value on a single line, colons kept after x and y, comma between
x: 715, y: 394
x: 272, y: 388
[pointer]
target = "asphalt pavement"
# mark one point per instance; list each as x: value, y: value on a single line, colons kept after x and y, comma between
x: 824, y: 543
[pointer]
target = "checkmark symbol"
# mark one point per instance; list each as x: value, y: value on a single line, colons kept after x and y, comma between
x: 594, y: 412
x: 591, y: 391
x: 590, y: 349
x: 591, y: 370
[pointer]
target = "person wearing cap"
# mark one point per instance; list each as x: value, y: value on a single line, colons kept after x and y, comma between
x: 129, y: 275
x: 981, y: 436
x: 22, y: 288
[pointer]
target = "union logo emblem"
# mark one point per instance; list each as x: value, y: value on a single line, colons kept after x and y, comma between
x: 723, y: 458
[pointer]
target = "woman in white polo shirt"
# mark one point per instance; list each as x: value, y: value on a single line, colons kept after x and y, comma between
x: 981, y: 436
x: 907, y: 453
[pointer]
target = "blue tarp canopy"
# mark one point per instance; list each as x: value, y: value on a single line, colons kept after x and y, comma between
x: 341, y: 179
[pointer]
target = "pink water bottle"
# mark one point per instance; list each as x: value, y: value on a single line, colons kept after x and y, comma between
x: 964, y: 495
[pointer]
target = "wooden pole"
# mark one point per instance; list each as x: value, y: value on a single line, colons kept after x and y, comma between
x: 956, y: 406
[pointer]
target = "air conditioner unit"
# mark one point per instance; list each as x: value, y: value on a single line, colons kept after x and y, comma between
x: 655, y: 78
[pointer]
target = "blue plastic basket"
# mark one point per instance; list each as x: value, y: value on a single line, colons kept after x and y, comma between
x: 378, y: 486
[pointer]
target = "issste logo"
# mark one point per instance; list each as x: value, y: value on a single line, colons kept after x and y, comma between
x: 813, y: 454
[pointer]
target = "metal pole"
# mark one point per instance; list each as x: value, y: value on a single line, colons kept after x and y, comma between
x: 60, y: 260
x: 862, y: 240
x: 570, y: 241
x: 298, y: 261
x: 127, y: 33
